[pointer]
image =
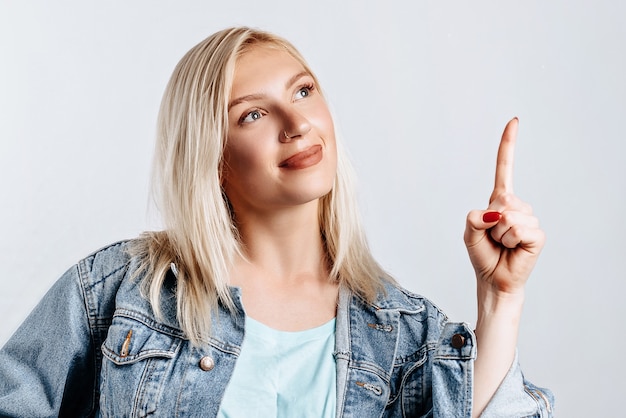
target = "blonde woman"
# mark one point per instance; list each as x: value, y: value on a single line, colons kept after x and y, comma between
x: 260, y: 298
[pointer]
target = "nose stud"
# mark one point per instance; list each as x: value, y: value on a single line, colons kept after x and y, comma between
x: 287, y: 137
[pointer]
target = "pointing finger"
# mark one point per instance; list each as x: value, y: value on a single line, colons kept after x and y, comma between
x: 504, y: 164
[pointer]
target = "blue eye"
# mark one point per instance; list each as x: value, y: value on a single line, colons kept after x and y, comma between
x: 304, y: 91
x: 251, y: 116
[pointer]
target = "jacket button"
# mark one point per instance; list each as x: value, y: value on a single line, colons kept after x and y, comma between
x: 207, y: 363
x: 458, y: 341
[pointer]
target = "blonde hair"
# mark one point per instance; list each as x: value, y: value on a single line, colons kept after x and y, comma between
x: 200, y: 237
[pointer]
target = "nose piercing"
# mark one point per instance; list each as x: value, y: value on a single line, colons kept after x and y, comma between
x: 286, y: 136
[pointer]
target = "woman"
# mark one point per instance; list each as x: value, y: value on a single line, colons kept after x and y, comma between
x: 260, y: 297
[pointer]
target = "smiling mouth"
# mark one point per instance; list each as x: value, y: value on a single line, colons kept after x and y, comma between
x: 303, y: 159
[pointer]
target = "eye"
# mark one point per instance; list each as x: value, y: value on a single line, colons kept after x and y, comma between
x: 304, y: 91
x: 251, y: 116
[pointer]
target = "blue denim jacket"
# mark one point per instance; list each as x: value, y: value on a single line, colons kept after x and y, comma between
x: 93, y: 347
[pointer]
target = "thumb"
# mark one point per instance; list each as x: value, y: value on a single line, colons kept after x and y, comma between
x: 478, y: 221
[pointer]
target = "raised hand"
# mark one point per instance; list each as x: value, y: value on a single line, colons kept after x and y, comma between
x: 505, y: 240
x: 503, y: 243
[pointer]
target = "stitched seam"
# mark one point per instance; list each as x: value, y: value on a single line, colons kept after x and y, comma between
x: 94, y: 284
x: 413, y: 368
x: 545, y: 399
x: 91, y: 323
x: 156, y: 326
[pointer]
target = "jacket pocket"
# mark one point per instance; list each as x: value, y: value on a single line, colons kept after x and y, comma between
x: 138, y: 359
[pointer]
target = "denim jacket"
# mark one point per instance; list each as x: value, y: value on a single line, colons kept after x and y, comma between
x: 93, y: 347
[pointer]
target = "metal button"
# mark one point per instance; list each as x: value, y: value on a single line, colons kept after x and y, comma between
x: 207, y: 363
x: 458, y: 341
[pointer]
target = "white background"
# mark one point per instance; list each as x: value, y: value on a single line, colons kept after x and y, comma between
x: 421, y: 91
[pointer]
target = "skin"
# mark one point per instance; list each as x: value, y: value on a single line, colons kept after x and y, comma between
x: 503, y: 254
x: 284, y: 278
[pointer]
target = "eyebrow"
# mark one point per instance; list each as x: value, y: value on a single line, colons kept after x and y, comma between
x: 249, y: 97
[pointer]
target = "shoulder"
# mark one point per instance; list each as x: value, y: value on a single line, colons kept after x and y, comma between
x: 106, y: 266
x: 396, y: 297
x: 107, y: 259
x: 419, y: 320
x: 102, y: 273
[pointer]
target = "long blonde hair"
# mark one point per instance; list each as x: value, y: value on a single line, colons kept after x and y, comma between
x: 200, y: 237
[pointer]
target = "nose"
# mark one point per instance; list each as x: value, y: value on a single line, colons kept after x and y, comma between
x: 295, y: 126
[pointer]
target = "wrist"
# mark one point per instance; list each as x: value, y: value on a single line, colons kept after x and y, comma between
x: 496, y: 303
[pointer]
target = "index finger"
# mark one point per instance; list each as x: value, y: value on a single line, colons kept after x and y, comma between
x: 504, y: 163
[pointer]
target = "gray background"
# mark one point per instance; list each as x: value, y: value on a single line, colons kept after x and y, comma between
x: 421, y: 91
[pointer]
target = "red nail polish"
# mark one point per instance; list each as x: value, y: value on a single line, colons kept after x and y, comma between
x: 489, y: 217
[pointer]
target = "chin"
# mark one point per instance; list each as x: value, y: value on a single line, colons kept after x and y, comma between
x: 310, y: 192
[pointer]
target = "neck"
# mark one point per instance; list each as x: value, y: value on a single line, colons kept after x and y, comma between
x: 284, y: 276
x: 285, y: 244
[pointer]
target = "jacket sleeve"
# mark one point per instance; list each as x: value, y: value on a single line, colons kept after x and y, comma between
x: 48, y: 367
x: 453, y: 369
x: 517, y: 394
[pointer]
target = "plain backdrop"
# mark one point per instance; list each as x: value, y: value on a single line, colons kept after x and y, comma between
x: 421, y: 91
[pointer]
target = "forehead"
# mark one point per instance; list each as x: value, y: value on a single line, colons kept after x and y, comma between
x: 262, y: 64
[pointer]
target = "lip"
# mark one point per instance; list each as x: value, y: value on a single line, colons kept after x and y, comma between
x: 303, y: 159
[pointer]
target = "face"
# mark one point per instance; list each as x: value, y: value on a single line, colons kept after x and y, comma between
x: 280, y: 150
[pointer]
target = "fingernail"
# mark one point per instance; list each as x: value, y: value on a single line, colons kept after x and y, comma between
x: 489, y: 217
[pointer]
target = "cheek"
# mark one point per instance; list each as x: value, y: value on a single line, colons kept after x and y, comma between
x: 329, y: 128
x: 244, y: 163
x: 325, y: 118
x: 324, y: 125
x: 240, y: 153
x: 234, y: 166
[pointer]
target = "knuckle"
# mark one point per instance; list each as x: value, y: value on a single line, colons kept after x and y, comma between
x: 513, y: 236
x: 506, y: 217
x: 472, y: 216
x: 517, y: 231
x: 507, y: 199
